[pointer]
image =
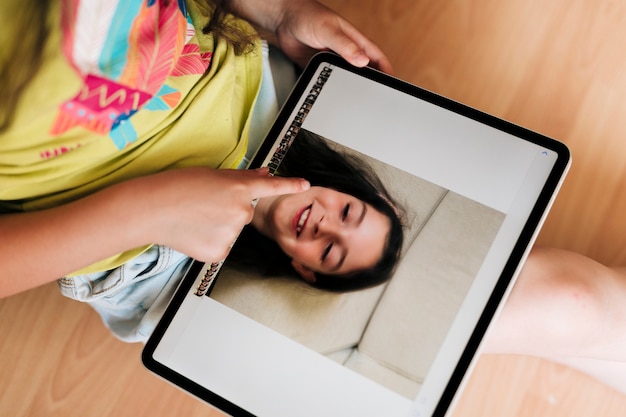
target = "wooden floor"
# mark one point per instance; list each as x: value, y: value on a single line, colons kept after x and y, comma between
x: 556, y: 67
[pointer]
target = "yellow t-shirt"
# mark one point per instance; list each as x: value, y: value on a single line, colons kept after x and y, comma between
x: 156, y: 95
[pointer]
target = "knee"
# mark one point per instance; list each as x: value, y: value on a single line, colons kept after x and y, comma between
x: 555, y: 307
x: 575, y: 283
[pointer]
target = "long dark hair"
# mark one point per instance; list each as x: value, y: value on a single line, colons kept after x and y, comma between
x: 224, y: 28
x: 312, y: 158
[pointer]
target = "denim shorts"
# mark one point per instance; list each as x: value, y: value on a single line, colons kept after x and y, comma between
x: 132, y: 298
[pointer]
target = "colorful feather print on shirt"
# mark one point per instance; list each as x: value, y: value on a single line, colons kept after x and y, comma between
x: 125, y: 50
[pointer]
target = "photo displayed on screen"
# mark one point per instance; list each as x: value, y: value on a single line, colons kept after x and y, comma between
x: 443, y: 240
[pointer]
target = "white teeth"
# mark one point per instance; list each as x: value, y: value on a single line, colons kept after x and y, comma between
x: 302, y: 220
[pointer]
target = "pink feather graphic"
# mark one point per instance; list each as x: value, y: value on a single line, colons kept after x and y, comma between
x: 192, y: 61
x: 157, y: 40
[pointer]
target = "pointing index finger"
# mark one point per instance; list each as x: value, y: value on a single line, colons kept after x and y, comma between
x: 267, y: 186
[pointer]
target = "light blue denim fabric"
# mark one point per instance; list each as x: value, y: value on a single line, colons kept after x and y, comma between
x: 132, y: 298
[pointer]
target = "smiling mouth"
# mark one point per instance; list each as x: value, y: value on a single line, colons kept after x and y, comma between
x: 304, y: 216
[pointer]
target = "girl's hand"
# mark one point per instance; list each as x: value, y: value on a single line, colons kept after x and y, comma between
x: 304, y: 27
x: 308, y: 26
x: 201, y: 211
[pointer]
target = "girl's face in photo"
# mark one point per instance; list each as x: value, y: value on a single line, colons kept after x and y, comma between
x: 329, y: 232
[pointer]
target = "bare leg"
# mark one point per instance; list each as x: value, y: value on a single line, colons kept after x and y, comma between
x: 569, y: 309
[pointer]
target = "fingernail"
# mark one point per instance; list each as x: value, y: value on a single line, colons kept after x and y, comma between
x: 361, y: 60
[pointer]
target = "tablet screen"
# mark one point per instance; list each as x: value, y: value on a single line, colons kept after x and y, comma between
x: 258, y: 336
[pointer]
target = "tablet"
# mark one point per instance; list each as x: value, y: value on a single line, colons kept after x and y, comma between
x: 257, y: 335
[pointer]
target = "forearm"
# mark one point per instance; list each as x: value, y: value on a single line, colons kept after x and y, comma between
x: 265, y: 14
x: 39, y: 247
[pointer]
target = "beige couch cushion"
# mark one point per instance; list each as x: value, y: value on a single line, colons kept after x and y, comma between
x: 421, y: 301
